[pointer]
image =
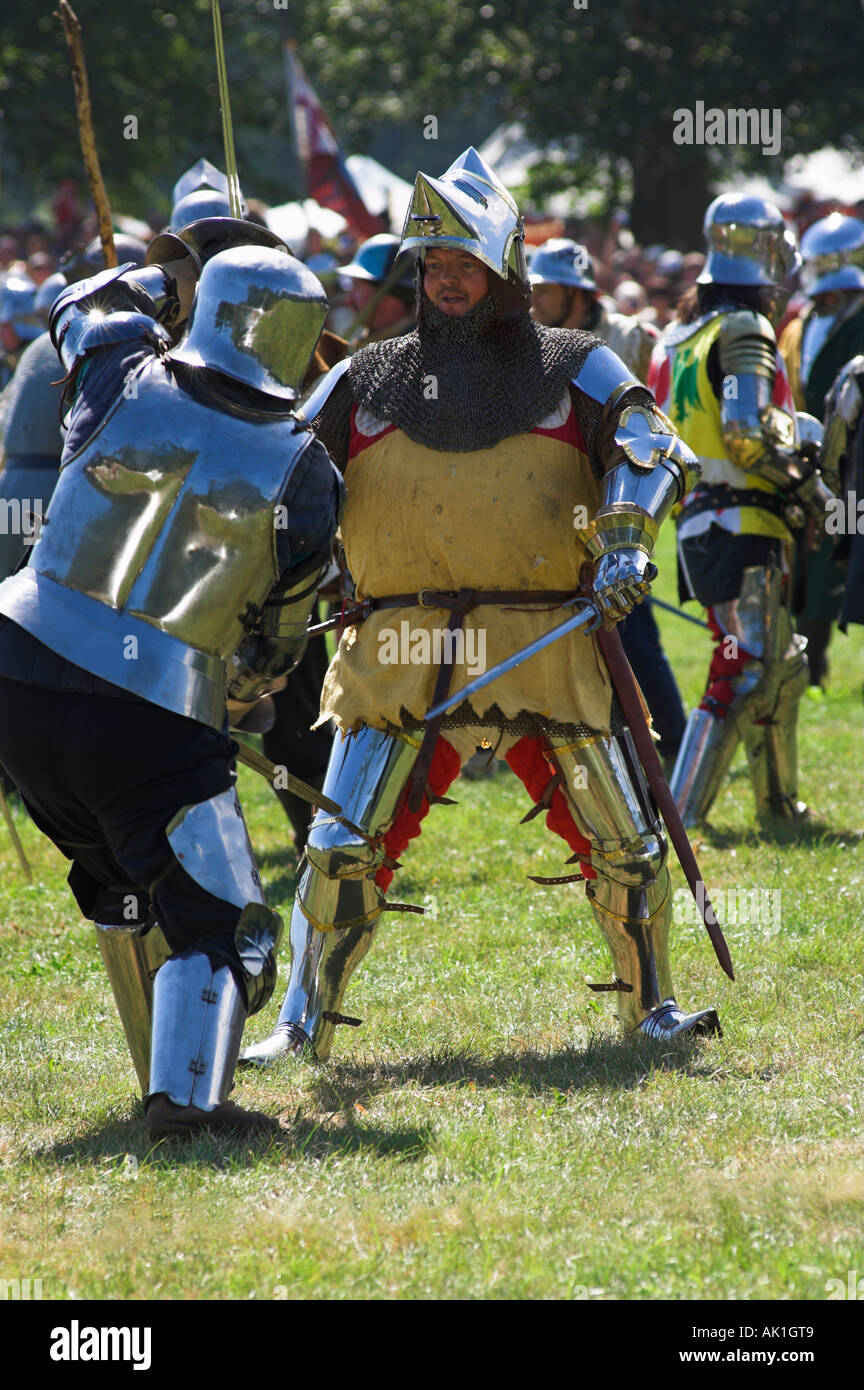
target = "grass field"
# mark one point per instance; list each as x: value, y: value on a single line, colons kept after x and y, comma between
x: 485, y: 1134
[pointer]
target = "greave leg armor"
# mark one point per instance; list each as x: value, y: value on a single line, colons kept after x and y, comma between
x: 766, y: 687
x: 322, y: 963
x: 703, y: 761
x: 131, y: 961
x: 630, y: 897
x: 338, y: 905
x: 772, y: 754
x: 198, y: 1017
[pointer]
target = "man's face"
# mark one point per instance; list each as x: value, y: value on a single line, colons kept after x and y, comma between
x: 390, y: 308
x: 832, y: 301
x: 550, y: 304
x: 454, y: 280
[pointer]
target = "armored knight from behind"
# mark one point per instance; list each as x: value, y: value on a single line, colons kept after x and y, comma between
x: 177, y: 564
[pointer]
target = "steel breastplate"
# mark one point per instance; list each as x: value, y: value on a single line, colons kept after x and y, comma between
x: 161, y: 528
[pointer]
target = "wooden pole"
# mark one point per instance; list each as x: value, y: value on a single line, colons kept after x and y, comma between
x: 72, y: 28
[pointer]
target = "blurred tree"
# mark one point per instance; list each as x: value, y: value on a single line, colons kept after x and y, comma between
x: 155, y: 62
x: 616, y: 74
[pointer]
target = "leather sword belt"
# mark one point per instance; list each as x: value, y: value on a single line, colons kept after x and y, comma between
x: 459, y: 602
x: 717, y: 499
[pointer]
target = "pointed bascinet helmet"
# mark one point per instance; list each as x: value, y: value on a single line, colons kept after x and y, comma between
x: 202, y: 175
x: 257, y: 316
x: 468, y: 208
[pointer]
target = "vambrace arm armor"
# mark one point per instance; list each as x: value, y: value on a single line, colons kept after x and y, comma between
x: 648, y: 469
x: 759, y: 436
x: 125, y: 304
x: 277, y: 642
x: 277, y: 631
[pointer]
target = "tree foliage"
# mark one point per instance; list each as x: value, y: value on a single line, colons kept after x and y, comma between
x: 610, y: 75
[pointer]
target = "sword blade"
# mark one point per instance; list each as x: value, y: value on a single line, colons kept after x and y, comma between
x: 670, y: 608
x: 225, y: 104
x: 587, y: 614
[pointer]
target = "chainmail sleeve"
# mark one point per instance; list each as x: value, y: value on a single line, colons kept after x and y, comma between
x: 332, y: 424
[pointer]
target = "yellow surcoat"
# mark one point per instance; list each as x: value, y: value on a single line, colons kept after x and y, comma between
x: 498, y: 518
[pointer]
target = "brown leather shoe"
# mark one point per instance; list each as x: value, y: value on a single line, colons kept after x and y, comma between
x: 164, y: 1118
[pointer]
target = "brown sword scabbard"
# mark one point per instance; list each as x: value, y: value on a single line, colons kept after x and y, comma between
x: 628, y: 693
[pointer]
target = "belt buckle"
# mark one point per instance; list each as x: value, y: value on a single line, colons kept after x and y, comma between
x: 422, y: 600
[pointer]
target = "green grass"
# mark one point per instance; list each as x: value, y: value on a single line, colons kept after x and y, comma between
x: 485, y: 1134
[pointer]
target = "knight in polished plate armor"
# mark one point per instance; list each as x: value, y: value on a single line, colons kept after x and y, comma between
x: 547, y: 436
x: 177, y: 564
x: 722, y: 381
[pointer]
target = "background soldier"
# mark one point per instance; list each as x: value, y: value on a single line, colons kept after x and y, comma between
x: 565, y: 295
x: 159, y: 580
x: 30, y: 409
x: 19, y: 323
x: 816, y: 346
x: 480, y: 411
x: 373, y: 267
x: 721, y: 379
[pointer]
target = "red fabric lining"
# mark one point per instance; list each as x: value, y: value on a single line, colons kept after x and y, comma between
x: 659, y: 378
x: 527, y: 761
x: 443, y: 770
x: 568, y: 433
x: 359, y: 441
x: 719, y: 695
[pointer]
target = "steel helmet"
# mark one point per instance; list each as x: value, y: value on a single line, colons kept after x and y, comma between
x: 374, y: 260
x: 18, y: 307
x: 469, y: 209
x: 257, y: 315
x: 562, y: 262
x: 833, y: 254
x: 748, y: 242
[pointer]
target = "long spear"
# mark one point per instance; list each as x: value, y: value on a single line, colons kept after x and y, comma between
x: 69, y: 20
x: 234, y: 198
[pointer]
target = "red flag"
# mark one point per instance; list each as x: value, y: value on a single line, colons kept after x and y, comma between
x: 327, y: 178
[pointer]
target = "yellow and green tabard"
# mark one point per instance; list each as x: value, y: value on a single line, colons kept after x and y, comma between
x: 680, y: 381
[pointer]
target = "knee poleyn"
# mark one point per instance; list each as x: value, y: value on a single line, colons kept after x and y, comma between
x: 633, y: 864
x: 338, y: 852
